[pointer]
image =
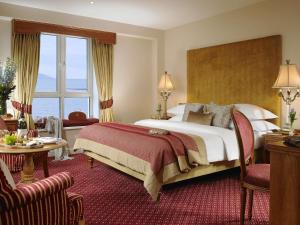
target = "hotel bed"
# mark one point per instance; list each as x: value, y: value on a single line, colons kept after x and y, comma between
x: 250, y: 82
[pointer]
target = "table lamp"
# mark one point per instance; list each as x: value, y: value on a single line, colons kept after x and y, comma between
x: 288, y: 79
x: 288, y: 82
x: 166, y: 87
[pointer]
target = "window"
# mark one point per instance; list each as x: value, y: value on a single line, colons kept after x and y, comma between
x: 65, y: 77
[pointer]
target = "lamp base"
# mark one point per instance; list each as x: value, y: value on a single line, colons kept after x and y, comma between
x: 165, y: 117
x: 165, y: 96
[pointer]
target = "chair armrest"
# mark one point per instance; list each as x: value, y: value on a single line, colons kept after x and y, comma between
x: 25, y: 194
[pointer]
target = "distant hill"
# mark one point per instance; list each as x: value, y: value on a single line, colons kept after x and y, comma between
x: 47, y: 83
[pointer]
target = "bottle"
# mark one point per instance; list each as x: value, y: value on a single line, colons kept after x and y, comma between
x: 22, y: 125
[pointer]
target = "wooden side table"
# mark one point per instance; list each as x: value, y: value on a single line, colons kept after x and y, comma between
x: 27, y: 174
x: 284, y: 184
x: 271, y: 138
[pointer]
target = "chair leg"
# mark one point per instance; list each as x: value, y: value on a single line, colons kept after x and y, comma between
x: 45, y: 164
x: 81, y: 222
x: 243, y: 205
x: 250, y: 204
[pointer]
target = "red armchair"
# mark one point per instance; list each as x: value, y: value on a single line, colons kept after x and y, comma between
x: 13, y: 162
x: 43, y: 202
x: 254, y: 177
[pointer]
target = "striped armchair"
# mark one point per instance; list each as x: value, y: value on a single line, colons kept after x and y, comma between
x: 14, y: 162
x: 43, y: 202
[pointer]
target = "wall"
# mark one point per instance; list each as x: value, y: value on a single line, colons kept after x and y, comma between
x: 138, y: 56
x: 132, y: 79
x: 259, y: 20
x: 5, y: 40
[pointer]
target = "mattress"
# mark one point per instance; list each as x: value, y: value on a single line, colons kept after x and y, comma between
x: 221, y: 144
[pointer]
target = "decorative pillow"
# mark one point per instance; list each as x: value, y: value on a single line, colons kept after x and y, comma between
x: 77, y: 116
x: 192, y: 107
x: 254, y: 112
x: 199, y: 117
x: 260, y: 125
x: 7, y: 174
x: 221, y: 113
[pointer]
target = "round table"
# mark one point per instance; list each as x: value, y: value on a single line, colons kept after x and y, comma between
x: 27, y: 174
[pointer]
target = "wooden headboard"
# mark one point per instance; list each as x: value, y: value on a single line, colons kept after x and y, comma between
x: 240, y: 72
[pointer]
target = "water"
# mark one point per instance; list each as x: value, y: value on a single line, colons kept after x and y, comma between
x: 43, y: 107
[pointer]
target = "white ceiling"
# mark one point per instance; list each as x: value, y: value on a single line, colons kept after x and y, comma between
x: 160, y: 14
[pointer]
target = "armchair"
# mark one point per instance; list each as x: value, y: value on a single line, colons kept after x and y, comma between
x: 43, y: 202
x: 14, y: 162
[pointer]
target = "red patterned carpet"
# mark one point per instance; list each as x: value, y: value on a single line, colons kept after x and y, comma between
x: 111, y: 197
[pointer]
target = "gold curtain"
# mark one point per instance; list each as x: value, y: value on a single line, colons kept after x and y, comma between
x: 26, y: 54
x: 103, y: 65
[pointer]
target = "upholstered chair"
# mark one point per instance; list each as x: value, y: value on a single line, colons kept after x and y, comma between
x: 43, y: 202
x: 254, y: 177
x: 13, y: 161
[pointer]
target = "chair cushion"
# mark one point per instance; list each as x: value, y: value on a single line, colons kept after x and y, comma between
x: 74, y: 123
x: 7, y: 174
x: 258, y: 175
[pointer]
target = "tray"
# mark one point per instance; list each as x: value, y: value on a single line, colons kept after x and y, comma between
x: 21, y: 146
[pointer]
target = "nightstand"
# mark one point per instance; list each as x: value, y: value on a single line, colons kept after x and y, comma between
x: 155, y: 118
x: 271, y: 138
x: 284, y: 184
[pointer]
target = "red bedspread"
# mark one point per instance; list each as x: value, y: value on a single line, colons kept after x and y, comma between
x: 158, y: 150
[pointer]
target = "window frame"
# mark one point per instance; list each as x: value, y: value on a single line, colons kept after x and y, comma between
x: 61, y: 91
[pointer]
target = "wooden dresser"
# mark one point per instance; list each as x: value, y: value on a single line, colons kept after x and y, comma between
x: 285, y: 184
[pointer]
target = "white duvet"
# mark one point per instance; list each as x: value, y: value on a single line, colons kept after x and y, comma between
x: 221, y: 144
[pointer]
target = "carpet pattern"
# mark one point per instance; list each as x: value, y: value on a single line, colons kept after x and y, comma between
x: 112, y: 197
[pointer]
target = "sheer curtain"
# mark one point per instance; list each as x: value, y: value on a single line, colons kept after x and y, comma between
x: 26, y: 54
x: 103, y: 65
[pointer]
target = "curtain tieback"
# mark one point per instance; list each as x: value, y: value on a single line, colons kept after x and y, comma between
x: 106, y: 104
x: 22, y: 107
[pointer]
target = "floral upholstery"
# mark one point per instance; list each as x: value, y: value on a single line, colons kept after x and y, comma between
x: 258, y: 175
x: 43, y: 202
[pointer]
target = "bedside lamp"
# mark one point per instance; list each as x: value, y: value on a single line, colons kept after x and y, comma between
x: 166, y: 87
x: 288, y: 79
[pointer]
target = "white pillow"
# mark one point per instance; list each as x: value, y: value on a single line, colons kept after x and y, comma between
x: 260, y: 125
x: 7, y: 174
x: 177, y: 110
x: 254, y: 112
x: 177, y: 118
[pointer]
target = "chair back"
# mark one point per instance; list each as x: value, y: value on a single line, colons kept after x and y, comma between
x: 245, y: 138
x: 2, y: 124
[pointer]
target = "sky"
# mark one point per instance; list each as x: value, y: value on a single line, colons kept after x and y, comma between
x: 76, y: 56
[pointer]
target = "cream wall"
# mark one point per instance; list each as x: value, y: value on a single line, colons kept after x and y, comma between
x: 138, y: 56
x: 134, y: 85
x: 5, y: 40
x: 263, y: 19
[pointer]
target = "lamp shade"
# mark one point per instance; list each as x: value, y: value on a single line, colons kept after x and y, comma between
x: 288, y: 77
x: 166, y: 83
